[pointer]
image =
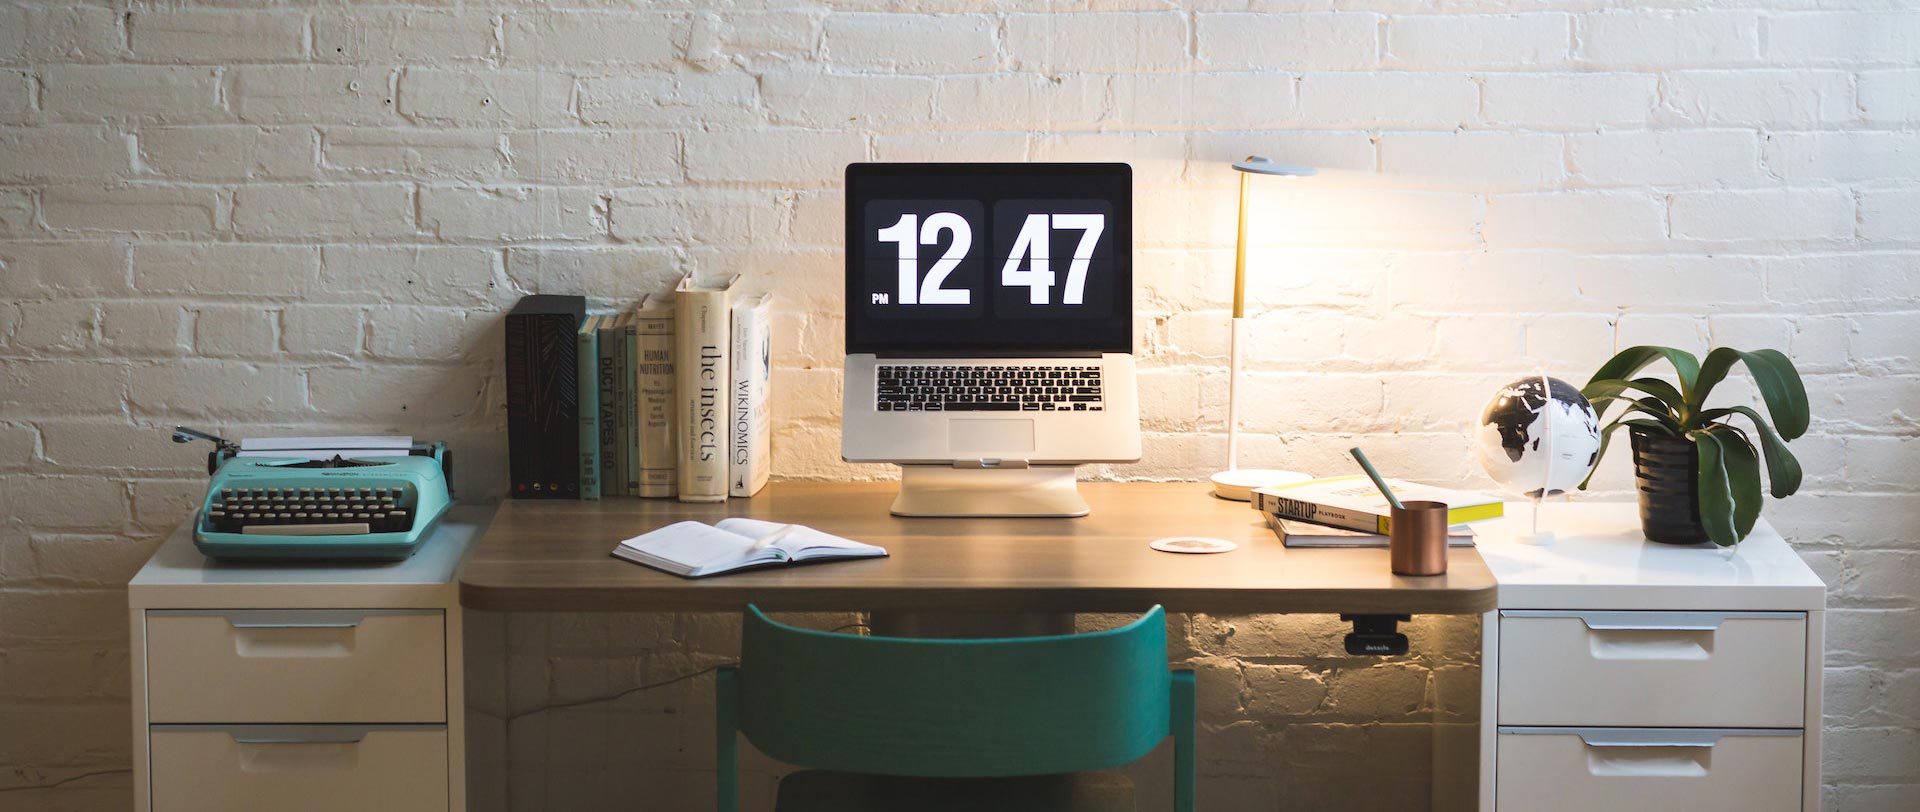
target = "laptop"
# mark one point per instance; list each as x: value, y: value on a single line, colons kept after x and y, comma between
x: 989, y: 315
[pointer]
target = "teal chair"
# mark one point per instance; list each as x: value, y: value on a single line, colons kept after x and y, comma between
x: 1003, y: 724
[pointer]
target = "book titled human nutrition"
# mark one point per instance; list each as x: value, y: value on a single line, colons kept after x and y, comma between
x: 748, y: 433
x: 701, y: 348
x: 1352, y: 502
x: 695, y: 550
x: 659, y: 442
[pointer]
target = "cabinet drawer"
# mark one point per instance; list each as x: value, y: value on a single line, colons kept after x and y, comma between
x: 1653, y: 669
x: 1611, y: 769
x: 308, y: 665
x: 297, y: 768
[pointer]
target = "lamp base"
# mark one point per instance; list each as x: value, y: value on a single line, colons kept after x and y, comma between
x: 1238, y: 484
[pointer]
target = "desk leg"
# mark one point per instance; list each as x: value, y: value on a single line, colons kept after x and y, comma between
x: 1489, y: 706
x: 966, y: 625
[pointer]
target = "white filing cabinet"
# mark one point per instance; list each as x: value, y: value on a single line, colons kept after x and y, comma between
x: 1619, y: 673
x: 300, y: 686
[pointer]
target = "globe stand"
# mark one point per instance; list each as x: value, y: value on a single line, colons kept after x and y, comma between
x: 1534, y: 536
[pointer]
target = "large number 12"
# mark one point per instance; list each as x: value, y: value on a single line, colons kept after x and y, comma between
x: 1034, y: 246
x: 909, y: 234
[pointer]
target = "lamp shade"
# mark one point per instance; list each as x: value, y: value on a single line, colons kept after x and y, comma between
x: 1257, y: 165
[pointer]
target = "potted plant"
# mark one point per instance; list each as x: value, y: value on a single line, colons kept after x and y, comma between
x: 1697, y: 470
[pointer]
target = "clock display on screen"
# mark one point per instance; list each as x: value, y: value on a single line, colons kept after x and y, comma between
x: 990, y: 260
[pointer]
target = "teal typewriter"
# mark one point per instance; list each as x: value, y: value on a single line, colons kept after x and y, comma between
x: 262, y: 507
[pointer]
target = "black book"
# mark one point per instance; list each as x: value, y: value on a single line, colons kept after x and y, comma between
x: 543, y: 396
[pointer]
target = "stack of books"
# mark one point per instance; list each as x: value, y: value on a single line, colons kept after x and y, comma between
x: 1348, y: 511
x: 667, y: 400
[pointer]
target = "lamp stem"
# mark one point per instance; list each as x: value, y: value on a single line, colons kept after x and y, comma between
x: 1233, y: 399
x: 1240, y: 256
x: 1233, y: 339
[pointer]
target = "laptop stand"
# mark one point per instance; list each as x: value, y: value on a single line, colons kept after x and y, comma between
x: 946, y: 490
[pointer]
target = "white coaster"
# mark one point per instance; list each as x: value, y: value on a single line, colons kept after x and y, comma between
x: 1193, y: 544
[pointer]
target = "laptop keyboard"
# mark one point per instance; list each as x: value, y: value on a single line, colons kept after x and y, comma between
x: 971, y: 388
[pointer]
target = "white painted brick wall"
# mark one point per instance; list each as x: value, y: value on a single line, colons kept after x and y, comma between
x: 269, y: 217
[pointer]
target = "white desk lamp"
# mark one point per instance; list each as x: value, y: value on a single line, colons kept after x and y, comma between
x: 1238, y: 483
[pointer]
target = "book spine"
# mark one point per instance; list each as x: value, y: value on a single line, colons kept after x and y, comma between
x: 587, y: 357
x: 543, y: 439
x: 1305, y: 511
x: 748, y: 443
x: 700, y: 326
x: 622, y: 425
x: 659, y: 451
x: 630, y: 347
x: 615, y: 432
x: 609, y: 424
x: 520, y: 465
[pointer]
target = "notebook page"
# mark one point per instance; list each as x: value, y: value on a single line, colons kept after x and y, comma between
x: 801, y: 542
x: 691, y: 547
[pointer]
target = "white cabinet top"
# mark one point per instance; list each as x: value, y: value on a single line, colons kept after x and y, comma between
x: 1598, y: 559
x: 179, y: 577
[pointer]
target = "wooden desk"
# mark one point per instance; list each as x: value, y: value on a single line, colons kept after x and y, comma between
x: 554, y: 556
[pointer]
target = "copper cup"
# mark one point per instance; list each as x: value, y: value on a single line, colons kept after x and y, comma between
x: 1417, y: 538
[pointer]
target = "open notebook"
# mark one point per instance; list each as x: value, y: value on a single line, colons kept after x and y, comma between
x: 692, y: 549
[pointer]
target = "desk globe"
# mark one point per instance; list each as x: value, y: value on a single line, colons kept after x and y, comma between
x: 1538, y: 437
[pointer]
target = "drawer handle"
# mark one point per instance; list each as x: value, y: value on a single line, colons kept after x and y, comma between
x: 296, y: 734
x: 1651, y: 621
x: 1648, y: 736
x: 1665, y: 738
x: 318, y: 619
x: 1650, y: 644
x: 332, y: 736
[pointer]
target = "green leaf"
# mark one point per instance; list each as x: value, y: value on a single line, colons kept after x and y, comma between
x: 1743, y: 476
x: 1606, y: 436
x: 1716, y: 495
x: 1661, y: 391
x: 1656, y: 410
x: 1773, y: 374
x: 1783, y: 469
x: 1603, y: 394
x: 1631, y: 360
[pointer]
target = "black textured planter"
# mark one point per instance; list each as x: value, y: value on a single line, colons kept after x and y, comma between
x: 1664, y: 469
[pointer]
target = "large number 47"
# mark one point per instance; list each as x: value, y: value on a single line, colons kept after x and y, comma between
x: 1033, y: 246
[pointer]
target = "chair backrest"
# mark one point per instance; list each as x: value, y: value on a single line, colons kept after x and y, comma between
x: 1000, y: 707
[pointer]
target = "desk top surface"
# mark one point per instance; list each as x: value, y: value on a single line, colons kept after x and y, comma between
x: 555, y: 556
x: 178, y: 576
x: 1599, y: 559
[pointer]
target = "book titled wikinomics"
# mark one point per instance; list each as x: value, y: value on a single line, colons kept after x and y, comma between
x: 694, y: 550
x: 1354, y: 503
x: 752, y: 361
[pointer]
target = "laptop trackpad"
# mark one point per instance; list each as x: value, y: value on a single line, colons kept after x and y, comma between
x: 989, y: 435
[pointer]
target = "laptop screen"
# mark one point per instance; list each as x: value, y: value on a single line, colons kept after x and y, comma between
x: 989, y: 258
